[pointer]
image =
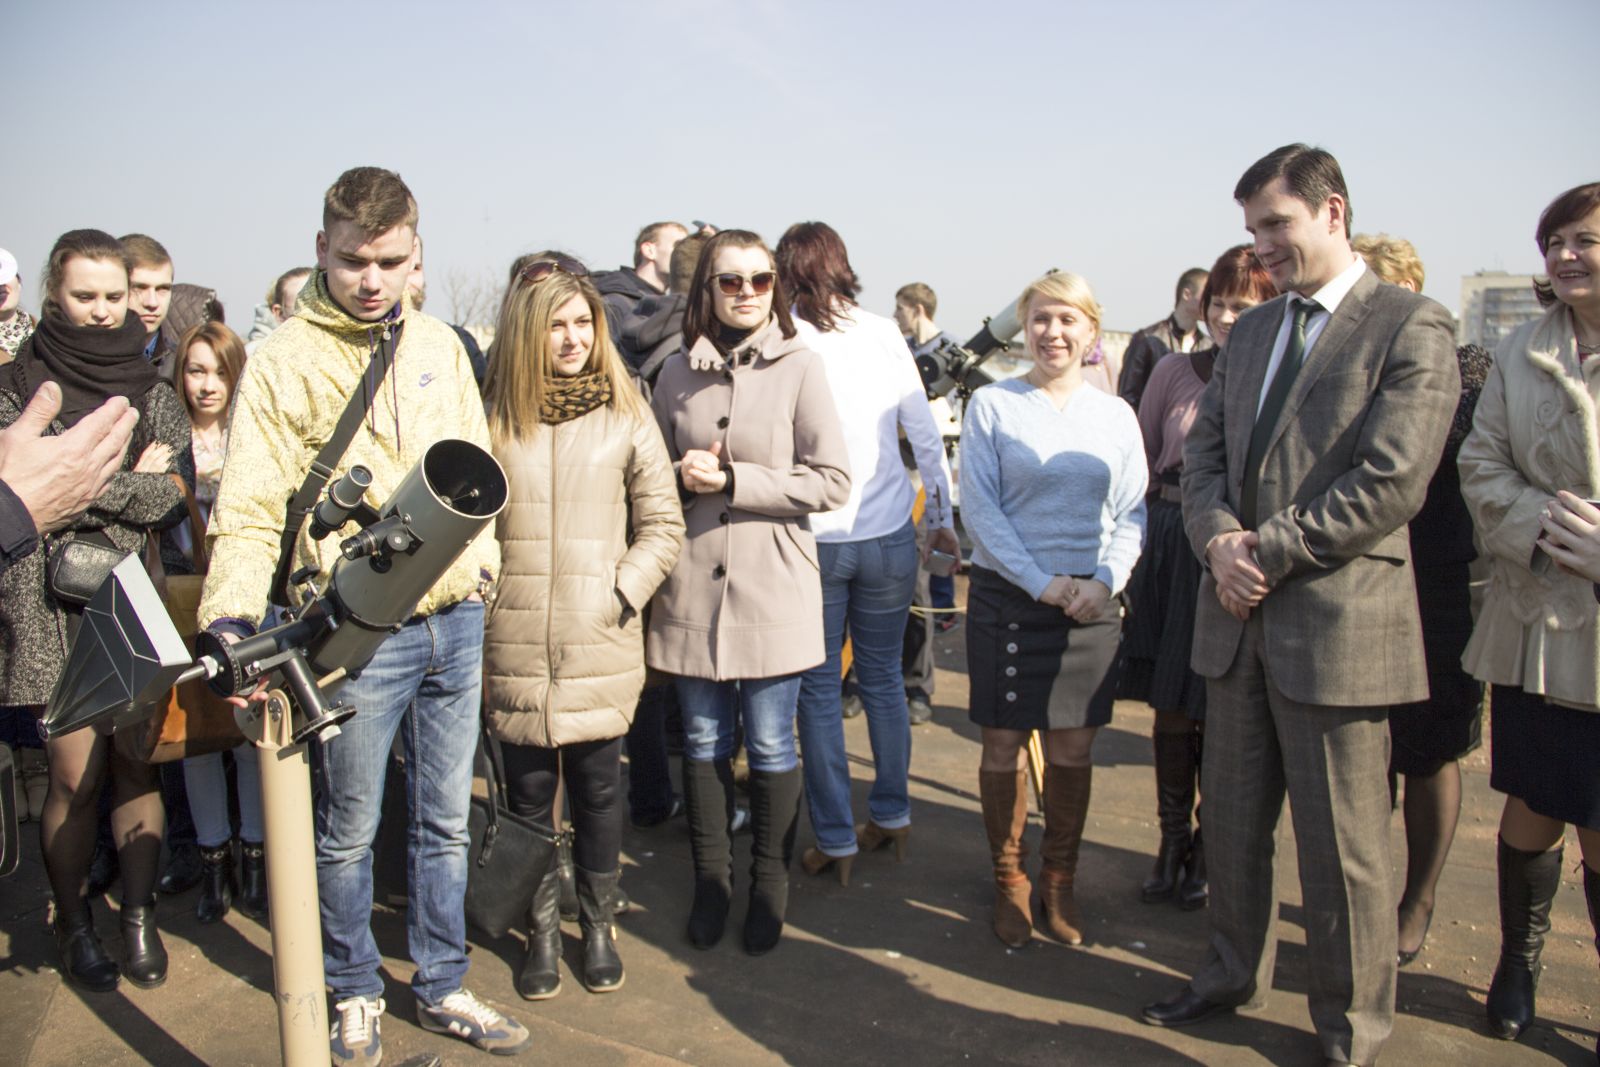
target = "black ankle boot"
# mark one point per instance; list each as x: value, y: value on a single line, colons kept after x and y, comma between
x: 539, y: 977
x: 84, y: 962
x: 216, y: 883
x: 708, y: 803
x: 602, y: 967
x: 1174, y: 756
x: 253, y: 880
x: 144, y: 958
x: 183, y: 870
x: 774, y: 815
x: 1528, y: 883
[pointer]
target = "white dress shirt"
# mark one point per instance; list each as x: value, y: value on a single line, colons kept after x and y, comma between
x: 1329, y: 297
x: 878, y: 391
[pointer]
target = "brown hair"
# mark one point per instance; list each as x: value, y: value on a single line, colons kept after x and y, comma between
x: 1576, y: 203
x: 283, y: 281
x: 1312, y: 175
x: 813, y: 260
x: 685, y: 258
x: 917, y: 294
x: 1237, y: 272
x: 1187, y: 280
x: 700, y: 317
x: 230, y: 359
x: 87, y: 244
x: 523, y: 365
x: 142, y: 251
x: 376, y: 200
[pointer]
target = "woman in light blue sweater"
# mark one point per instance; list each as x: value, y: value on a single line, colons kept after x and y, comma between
x: 1053, y: 478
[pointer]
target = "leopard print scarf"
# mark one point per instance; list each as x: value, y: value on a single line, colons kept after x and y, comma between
x: 566, y: 399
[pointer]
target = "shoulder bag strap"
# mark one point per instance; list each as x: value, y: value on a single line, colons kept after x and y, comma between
x: 305, y: 499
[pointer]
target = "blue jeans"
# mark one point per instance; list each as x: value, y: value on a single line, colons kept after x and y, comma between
x: 425, y: 681
x: 766, y: 705
x: 866, y: 588
x: 207, y: 782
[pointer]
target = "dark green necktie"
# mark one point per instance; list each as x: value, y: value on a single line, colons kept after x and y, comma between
x: 1271, y: 407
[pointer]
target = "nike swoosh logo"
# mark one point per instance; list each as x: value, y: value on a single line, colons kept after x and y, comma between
x: 426, y: 380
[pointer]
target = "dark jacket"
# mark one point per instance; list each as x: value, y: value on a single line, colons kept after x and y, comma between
x: 652, y: 333
x: 1145, y: 350
x: 622, y: 290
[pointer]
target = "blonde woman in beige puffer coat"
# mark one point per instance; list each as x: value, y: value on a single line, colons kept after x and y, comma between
x: 592, y: 527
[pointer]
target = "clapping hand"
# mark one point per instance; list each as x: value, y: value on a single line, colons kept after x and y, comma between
x: 701, y: 469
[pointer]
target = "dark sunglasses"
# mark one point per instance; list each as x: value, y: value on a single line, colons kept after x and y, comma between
x: 760, y: 283
x: 539, y: 270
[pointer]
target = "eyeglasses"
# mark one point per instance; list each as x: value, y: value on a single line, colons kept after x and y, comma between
x: 539, y: 270
x: 732, y: 284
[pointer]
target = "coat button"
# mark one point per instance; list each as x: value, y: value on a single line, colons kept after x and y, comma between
x: 723, y: 518
x: 1012, y: 626
x: 1011, y: 697
x: 1012, y: 648
x: 718, y: 571
x: 722, y: 423
x: 1011, y: 672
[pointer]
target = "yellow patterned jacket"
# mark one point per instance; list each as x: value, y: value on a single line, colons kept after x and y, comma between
x: 290, y: 397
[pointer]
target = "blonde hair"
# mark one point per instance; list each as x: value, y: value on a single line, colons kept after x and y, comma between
x: 1392, y: 259
x: 1061, y: 287
x: 523, y: 367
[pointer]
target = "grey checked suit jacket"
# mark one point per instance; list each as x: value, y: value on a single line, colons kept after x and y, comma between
x: 1347, y: 467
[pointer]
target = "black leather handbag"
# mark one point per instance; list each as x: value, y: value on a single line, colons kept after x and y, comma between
x: 76, y: 567
x: 508, y: 854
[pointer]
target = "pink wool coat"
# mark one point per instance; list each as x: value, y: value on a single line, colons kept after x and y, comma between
x: 745, y: 598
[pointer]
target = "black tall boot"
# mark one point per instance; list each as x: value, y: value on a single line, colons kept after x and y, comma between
x: 774, y: 815
x: 253, y: 880
x: 539, y: 977
x: 602, y: 967
x: 1591, y: 893
x: 1195, y: 890
x: 217, y: 886
x: 708, y: 802
x: 84, y: 961
x: 567, y: 878
x: 144, y: 957
x: 1174, y: 756
x: 1528, y: 883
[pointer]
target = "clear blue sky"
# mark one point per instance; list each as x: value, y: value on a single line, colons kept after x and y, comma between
x: 968, y: 145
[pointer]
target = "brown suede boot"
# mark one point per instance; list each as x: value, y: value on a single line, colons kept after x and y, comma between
x: 1066, y: 805
x: 1005, y: 816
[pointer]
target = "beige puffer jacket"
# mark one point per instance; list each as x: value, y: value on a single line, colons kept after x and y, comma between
x: 563, y: 658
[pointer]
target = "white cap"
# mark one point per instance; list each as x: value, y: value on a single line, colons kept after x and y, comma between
x: 8, y: 267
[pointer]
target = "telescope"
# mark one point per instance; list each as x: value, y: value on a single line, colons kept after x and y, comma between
x: 959, y: 368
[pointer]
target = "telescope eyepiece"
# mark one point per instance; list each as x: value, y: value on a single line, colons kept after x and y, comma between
x: 344, y: 496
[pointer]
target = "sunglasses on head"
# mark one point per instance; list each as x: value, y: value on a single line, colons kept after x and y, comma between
x: 760, y: 283
x: 540, y: 269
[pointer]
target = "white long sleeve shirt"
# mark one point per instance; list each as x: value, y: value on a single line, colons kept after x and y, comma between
x: 878, y: 392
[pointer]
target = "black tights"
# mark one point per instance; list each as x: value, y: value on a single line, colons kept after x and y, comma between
x: 593, y: 773
x: 78, y: 763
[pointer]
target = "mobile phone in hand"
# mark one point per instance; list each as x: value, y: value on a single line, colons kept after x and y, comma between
x: 941, y: 563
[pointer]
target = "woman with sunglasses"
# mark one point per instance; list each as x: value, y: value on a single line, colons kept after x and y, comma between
x: 591, y: 527
x: 751, y: 425
x: 867, y: 549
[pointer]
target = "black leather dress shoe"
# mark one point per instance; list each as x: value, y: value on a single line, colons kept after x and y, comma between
x: 1183, y: 1009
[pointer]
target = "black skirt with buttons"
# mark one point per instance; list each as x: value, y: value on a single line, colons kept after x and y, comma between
x: 1031, y: 667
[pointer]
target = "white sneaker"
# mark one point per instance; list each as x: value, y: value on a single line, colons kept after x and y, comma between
x: 463, y: 1015
x: 354, y: 1037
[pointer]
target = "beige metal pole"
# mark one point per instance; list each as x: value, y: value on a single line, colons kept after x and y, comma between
x: 291, y: 882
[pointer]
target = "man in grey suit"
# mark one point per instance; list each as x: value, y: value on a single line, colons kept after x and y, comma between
x: 1324, y: 420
